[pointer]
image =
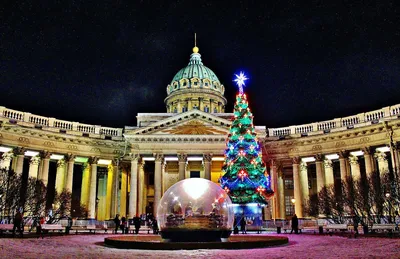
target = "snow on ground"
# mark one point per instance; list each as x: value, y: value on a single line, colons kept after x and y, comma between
x: 300, y: 246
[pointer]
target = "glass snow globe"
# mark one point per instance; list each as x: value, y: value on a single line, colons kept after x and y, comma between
x: 193, y: 210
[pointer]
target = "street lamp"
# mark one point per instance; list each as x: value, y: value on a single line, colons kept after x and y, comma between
x: 97, y: 206
x: 389, y: 205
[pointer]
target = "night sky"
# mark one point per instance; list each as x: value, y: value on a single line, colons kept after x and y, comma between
x: 103, y: 63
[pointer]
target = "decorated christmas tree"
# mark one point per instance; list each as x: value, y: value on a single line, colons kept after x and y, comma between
x: 245, y: 178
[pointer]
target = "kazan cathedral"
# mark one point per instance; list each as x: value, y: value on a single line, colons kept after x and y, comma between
x: 126, y: 170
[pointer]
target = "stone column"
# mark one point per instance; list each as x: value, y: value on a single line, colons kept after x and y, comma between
x: 179, y: 106
x: 320, y: 172
x: 189, y: 105
x: 141, y: 197
x: 298, y: 206
x: 305, y: 192
x: 93, y: 184
x: 396, y: 155
x: 159, y: 158
x: 163, y: 173
x: 60, y: 176
x: 382, y: 163
x: 182, y: 165
x: 274, y: 183
x: 6, y: 160
x: 19, y: 153
x: 207, y: 160
x: 133, y: 197
x: 85, y: 186
x: 369, y: 164
x: 115, y: 186
x: 45, y: 155
x: 329, y: 176
x: 201, y: 104
x: 70, y: 159
x: 123, y: 191
x: 344, y: 164
x: 355, y: 168
x: 281, y: 191
x: 211, y: 106
x: 34, y: 167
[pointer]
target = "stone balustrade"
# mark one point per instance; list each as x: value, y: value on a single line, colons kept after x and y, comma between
x: 27, y: 119
x: 338, y: 124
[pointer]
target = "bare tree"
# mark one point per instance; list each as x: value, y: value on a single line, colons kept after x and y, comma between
x: 368, y: 200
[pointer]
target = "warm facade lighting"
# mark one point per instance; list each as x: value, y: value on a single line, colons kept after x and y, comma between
x: 31, y: 153
x: 308, y: 159
x: 104, y: 162
x: 383, y: 149
x: 357, y: 153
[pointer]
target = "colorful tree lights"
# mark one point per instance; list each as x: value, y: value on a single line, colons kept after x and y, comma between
x: 244, y: 179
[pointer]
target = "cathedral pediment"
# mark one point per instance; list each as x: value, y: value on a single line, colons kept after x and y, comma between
x: 193, y: 122
x: 195, y: 127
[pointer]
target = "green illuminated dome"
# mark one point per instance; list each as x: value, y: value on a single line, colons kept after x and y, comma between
x: 195, y: 87
x: 195, y: 75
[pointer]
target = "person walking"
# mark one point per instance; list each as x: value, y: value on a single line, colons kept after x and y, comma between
x: 397, y: 219
x: 123, y: 224
x: 136, y: 223
x: 117, y: 223
x: 295, y: 224
x: 243, y: 225
x: 17, y: 223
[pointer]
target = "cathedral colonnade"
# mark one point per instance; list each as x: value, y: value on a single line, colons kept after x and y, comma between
x: 130, y: 186
x: 309, y: 174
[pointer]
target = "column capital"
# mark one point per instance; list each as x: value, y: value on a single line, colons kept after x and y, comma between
x: 319, y: 157
x: 35, y: 160
x: 328, y: 163
x: 60, y: 163
x: 19, y: 151
x: 303, y: 166
x: 353, y: 160
x: 93, y: 160
x: 141, y: 164
x: 6, y: 156
x: 44, y: 154
x: 116, y: 161
x: 343, y: 154
x: 134, y: 157
x: 280, y: 174
x: 296, y: 160
x: 70, y: 157
x: 182, y: 157
x: 380, y: 156
x: 158, y: 157
x: 207, y: 157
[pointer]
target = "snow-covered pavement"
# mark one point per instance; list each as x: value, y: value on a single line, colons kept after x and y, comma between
x: 300, y: 246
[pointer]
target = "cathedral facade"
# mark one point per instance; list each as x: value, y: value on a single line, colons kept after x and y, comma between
x: 126, y: 170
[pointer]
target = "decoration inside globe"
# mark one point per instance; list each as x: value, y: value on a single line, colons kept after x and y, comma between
x: 195, y: 204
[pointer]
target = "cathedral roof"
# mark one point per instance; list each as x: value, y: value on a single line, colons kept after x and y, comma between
x: 195, y: 75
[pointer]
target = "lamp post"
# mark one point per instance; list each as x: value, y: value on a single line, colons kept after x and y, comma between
x: 389, y: 206
x: 97, y: 207
x: 293, y: 200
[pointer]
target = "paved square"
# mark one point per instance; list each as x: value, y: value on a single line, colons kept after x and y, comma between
x: 300, y: 246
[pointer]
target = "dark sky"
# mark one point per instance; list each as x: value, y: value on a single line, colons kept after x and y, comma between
x: 103, y: 63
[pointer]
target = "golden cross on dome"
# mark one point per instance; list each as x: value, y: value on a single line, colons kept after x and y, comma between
x: 195, y: 49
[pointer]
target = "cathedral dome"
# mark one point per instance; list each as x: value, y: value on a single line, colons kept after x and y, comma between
x: 195, y: 81
x: 195, y: 75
